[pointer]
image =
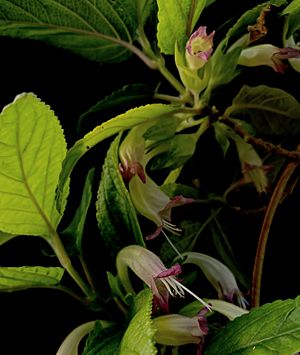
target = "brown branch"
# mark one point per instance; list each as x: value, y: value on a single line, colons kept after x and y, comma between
x: 275, y: 200
x: 258, y: 142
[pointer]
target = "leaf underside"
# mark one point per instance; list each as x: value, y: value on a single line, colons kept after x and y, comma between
x: 85, y: 27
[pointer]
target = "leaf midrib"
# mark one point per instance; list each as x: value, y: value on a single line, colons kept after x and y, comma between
x: 25, y: 180
x: 236, y: 108
x: 97, y: 35
x: 266, y: 339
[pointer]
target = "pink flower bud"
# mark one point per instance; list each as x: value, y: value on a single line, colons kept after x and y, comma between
x: 199, y: 48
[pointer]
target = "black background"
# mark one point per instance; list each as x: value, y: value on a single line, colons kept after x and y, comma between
x: 36, y: 321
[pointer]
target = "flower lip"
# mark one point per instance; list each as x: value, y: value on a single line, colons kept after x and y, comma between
x: 149, y: 268
x: 177, y: 329
x: 283, y: 54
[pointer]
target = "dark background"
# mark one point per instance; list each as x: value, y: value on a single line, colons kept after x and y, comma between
x: 36, y: 321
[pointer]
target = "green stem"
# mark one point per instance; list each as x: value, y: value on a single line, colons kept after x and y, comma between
x: 66, y: 263
x: 87, y: 274
x: 263, y: 238
x: 159, y: 62
x: 213, y: 215
x: 170, y: 77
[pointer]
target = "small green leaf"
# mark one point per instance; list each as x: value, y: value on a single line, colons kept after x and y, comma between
x: 139, y: 336
x: 88, y: 28
x: 221, y: 138
x: 32, y: 148
x: 174, y: 189
x: 240, y: 27
x: 116, y: 214
x: 145, y: 8
x: 162, y: 130
x: 270, y: 329
x: 248, y: 18
x: 220, y: 69
x: 119, y: 100
x: 271, y: 110
x: 18, y: 278
x: 74, y: 232
x: 292, y: 12
x: 109, y: 128
x: 180, y: 150
x: 103, y: 339
x: 177, y: 19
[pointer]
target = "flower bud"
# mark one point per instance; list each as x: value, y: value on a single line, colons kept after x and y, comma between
x: 199, y: 48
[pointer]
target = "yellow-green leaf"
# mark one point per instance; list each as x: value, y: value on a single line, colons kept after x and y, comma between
x: 32, y: 148
x: 139, y: 336
x: 19, y: 278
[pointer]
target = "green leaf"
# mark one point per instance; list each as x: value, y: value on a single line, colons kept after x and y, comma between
x: 181, y: 148
x: 109, y: 128
x: 74, y: 232
x: 32, y: 148
x: 177, y: 19
x: 240, y: 27
x: 175, y: 189
x: 116, y: 215
x: 270, y: 329
x: 119, y: 100
x: 145, y: 8
x: 224, y: 249
x: 18, y: 278
x: 93, y: 29
x: 162, y: 130
x: 182, y: 243
x: 221, y: 138
x: 103, y: 340
x: 271, y: 110
x: 292, y: 12
x: 139, y: 336
x: 220, y: 69
x: 249, y: 17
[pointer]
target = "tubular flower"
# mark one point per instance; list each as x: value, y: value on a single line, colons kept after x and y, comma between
x: 267, y: 54
x: 176, y: 329
x: 149, y: 268
x: 147, y: 197
x: 151, y: 202
x: 218, y: 274
x: 199, y: 48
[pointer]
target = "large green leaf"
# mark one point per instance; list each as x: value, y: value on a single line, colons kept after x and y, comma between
x: 109, y: 128
x: 271, y: 110
x: 177, y: 19
x: 116, y: 214
x: 32, y: 148
x: 271, y: 329
x: 139, y: 336
x: 93, y: 29
x: 18, y: 278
